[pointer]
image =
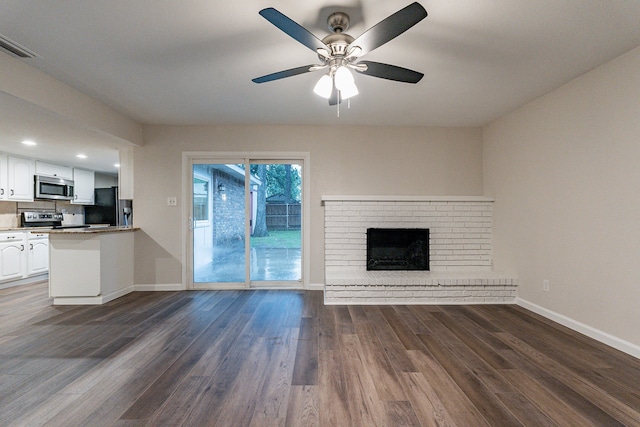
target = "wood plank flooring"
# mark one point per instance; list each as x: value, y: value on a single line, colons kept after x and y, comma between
x: 282, y: 358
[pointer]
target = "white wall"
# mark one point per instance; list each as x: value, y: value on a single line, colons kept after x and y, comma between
x: 105, y: 181
x: 565, y: 173
x: 344, y: 160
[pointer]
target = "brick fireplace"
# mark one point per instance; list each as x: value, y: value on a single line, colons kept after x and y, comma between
x: 460, y: 251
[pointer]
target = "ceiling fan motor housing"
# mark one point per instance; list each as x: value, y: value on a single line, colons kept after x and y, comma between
x: 338, y: 43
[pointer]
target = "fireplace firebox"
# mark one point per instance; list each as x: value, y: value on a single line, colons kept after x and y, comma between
x: 397, y: 249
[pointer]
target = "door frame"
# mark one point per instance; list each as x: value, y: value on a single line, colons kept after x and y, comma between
x: 188, y: 157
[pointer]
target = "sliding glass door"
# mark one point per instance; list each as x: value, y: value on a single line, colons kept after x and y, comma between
x: 218, y: 223
x: 245, y: 224
x: 276, y: 240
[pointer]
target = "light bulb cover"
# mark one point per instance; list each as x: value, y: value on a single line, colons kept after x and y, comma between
x: 324, y: 86
x: 343, y: 78
x: 349, y: 91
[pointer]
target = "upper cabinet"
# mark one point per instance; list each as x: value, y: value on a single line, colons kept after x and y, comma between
x: 49, y: 169
x: 83, y: 187
x: 19, y: 179
x: 4, y: 185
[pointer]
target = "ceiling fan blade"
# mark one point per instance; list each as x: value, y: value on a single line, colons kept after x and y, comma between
x: 390, y: 72
x: 293, y: 29
x: 389, y: 28
x: 282, y: 74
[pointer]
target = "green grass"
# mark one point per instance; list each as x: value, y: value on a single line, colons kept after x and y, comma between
x: 278, y: 239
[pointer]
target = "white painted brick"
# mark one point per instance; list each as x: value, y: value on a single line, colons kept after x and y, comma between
x: 460, y: 241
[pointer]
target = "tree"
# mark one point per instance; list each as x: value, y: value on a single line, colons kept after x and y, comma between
x: 260, y: 230
x: 276, y: 178
x: 284, y: 179
x: 287, y: 184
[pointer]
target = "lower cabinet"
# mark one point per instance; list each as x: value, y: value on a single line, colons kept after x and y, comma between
x: 38, y: 253
x: 13, y: 257
x: 23, y: 254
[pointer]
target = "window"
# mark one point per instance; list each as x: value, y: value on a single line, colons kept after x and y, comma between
x: 201, y: 197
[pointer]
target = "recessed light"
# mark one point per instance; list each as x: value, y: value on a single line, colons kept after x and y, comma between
x: 29, y: 142
x: 117, y: 165
x: 81, y: 156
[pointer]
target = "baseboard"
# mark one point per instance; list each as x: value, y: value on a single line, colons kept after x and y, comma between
x: 178, y: 287
x: 168, y: 287
x: 596, y: 334
x: 97, y: 300
x: 25, y: 281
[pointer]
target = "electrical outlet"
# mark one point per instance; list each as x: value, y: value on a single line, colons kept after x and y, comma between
x: 172, y: 201
x: 545, y: 285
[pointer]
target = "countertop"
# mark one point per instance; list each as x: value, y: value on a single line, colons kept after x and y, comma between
x: 90, y: 230
x: 98, y: 229
x: 36, y: 229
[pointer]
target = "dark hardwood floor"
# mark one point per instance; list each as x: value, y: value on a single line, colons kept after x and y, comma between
x: 275, y: 358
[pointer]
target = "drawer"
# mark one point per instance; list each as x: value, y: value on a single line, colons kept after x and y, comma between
x: 11, y: 237
x: 37, y: 236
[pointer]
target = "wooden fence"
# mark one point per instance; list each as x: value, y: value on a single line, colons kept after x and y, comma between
x: 283, y: 216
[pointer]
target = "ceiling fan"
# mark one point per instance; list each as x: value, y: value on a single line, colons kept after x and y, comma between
x: 339, y: 52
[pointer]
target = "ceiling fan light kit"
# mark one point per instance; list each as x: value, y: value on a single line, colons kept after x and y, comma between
x: 339, y: 52
x: 324, y: 86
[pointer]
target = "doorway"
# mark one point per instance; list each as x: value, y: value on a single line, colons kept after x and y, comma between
x: 246, y: 223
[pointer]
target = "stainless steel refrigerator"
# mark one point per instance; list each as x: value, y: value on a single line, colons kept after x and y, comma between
x: 108, y: 209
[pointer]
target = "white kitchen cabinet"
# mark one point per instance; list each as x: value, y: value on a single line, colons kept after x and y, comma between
x: 49, y: 169
x: 12, y: 255
x: 20, y: 179
x: 3, y: 177
x: 83, y: 187
x: 38, y: 253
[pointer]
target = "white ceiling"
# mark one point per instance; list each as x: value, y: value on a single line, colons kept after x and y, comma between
x: 192, y: 61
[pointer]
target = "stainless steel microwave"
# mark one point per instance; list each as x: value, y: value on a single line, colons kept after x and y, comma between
x: 48, y: 187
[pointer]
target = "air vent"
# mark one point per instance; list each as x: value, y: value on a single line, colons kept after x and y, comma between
x: 14, y: 48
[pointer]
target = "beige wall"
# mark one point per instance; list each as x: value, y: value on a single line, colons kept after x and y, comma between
x: 565, y: 173
x: 344, y: 160
x: 64, y: 102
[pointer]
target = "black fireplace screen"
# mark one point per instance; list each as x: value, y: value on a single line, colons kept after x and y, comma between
x: 397, y: 249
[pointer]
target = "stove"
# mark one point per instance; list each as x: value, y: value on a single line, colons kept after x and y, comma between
x: 45, y: 219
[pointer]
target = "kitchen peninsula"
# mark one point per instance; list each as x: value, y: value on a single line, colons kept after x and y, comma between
x: 90, y: 266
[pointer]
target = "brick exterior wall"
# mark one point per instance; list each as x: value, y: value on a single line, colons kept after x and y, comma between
x: 228, y: 209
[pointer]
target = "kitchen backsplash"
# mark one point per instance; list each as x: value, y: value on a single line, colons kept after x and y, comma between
x: 10, y: 211
x: 8, y: 215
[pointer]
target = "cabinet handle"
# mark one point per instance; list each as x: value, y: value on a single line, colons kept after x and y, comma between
x: 12, y: 192
x: 21, y: 248
x: 1, y: 191
x: 30, y: 246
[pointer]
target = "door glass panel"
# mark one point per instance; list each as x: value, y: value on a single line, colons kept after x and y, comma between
x: 218, y: 223
x: 276, y: 219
